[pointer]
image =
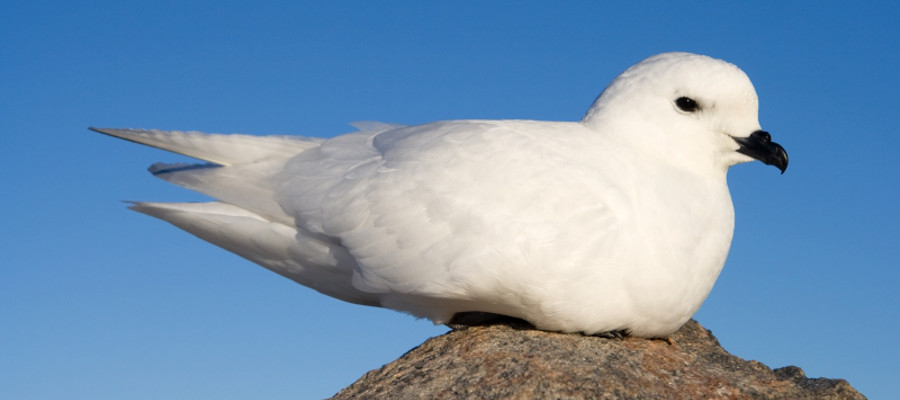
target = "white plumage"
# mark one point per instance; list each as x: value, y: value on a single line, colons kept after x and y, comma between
x: 621, y: 221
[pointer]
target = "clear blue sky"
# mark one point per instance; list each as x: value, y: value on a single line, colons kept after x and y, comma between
x: 98, y: 302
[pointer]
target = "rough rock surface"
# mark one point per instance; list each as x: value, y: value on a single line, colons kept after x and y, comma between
x: 513, y: 361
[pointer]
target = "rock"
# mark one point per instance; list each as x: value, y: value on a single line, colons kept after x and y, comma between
x: 513, y: 361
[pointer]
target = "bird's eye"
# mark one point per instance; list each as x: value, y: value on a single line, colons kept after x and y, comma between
x: 687, y: 104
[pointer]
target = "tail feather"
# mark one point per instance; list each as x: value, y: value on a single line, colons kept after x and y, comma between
x: 238, y: 168
x: 220, y: 149
x: 303, y: 258
x: 248, y: 185
x: 247, y: 220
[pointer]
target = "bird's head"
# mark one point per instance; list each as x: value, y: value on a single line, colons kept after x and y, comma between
x: 690, y: 110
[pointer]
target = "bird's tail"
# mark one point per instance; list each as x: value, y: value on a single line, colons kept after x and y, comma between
x: 239, y: 168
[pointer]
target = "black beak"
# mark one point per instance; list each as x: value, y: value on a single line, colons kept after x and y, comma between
x: 760, y: 146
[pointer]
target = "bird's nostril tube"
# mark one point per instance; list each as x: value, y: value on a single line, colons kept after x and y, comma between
x: 762, y: 136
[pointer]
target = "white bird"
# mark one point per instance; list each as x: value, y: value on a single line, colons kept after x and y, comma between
x: 620, y: 222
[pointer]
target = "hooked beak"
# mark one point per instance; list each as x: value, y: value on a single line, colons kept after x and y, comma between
x: 760, y: 146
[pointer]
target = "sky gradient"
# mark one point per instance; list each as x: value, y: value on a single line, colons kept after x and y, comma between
x: 98, y: 302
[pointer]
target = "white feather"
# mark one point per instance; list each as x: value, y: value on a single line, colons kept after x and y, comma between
x: 620, y: 221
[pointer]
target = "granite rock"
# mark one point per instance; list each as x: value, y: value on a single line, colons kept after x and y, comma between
x: 514, y: 361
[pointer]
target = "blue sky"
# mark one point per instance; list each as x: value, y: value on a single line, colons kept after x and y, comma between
x: 97, y: 302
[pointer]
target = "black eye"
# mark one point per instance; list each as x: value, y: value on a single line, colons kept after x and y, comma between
x: 687, y: 104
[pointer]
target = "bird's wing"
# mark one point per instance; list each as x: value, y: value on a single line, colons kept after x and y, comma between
x: 449, y: 209
x: 216, y: 148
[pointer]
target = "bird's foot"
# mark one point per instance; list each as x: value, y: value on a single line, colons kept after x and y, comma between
x: 617, y: 335
x: 463, y: 320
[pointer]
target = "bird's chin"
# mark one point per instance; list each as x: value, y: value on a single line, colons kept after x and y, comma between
x: 736, y: 158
